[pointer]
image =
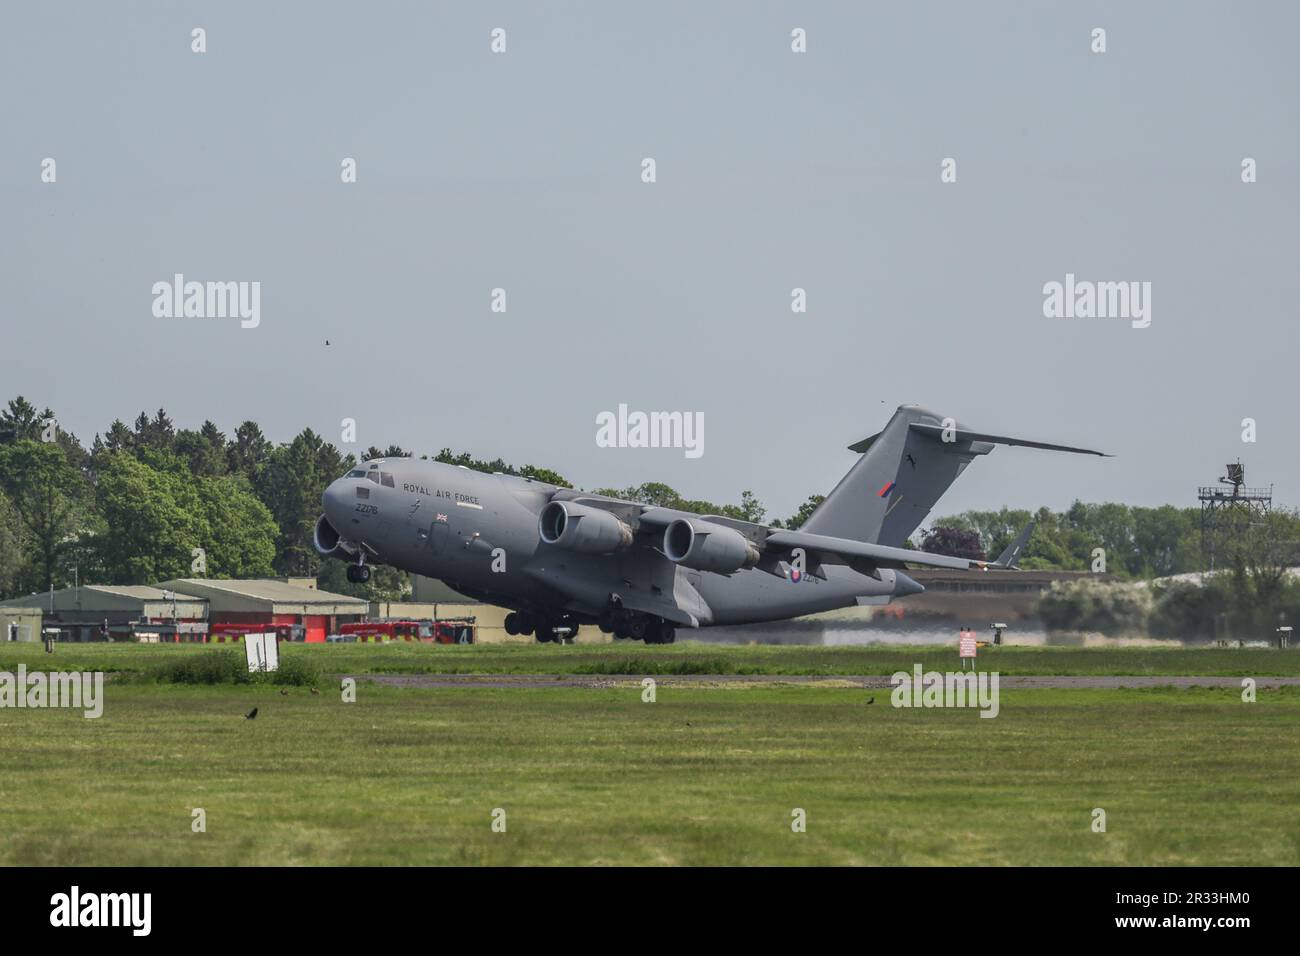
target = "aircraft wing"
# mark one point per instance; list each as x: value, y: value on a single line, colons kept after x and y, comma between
x: 776, y: 544
x: 877, y: 554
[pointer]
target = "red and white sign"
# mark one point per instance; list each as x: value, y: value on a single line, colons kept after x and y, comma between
x: 966, y: 645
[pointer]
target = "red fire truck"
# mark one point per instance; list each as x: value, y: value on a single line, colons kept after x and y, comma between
x: 442, y: 631
x: 234, y: 633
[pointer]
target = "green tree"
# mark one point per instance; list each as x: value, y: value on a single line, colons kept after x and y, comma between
x: 157, y: 433
x: 796, y: 521
x: 1167, y: 540
x: 18, y: 421
x: 290, y: 485
x: 13, y: 551
x: 1257, y: 551
x: 448, y: 457
x: 51, y: 500
x: 156, y: 518
x: 205, y: 450
x: 248, y: 451
x: 242, y: 532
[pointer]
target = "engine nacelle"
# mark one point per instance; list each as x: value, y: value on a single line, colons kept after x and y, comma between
x: 580, y: 528
x: 329, y: 542
x: 708, y: 547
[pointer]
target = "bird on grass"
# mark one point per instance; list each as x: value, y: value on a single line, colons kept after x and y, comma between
x: 871, y: 700
x: 315, y: 691
x: 251, y: 715
x: 283, y: 692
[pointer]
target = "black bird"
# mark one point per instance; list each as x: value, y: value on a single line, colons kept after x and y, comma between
x: 252, y: 714
x: 327, y: 341
x: 871, y: 700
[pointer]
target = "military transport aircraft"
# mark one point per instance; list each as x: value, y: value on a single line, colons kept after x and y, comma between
x: 559, y: 557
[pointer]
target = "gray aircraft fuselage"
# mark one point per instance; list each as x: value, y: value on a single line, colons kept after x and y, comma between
x: 478, y: 533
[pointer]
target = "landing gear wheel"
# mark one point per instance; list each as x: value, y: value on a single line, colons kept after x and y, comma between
x: 358, y: 573
x: 546, y: 633
x: 512, y: 623
x: 636, y: 629
x: 667, y: 633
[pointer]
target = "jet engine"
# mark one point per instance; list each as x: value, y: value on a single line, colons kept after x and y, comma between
x: 708, y: 547
x: 580, y: 528
x: 329, y: 542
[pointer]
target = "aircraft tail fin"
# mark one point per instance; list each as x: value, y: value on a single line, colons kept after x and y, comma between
x: 1007, y: 559
x: 902, y: 473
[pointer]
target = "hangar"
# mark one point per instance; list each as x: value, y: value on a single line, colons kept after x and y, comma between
x: 290, y: 601
x: 96, y: 611
x: 180, y: 609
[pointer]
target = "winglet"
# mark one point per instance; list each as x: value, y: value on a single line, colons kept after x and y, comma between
x: 1007, y: 559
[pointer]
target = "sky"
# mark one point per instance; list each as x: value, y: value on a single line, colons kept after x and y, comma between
x: 522, y: 170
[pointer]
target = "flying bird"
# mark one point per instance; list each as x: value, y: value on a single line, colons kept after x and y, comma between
x: 251, y: 715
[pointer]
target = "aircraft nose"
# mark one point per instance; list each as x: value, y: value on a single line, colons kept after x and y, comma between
x: 334, y: 501
x: 904, y: 585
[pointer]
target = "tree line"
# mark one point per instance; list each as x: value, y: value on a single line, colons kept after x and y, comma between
x: 148, y: 501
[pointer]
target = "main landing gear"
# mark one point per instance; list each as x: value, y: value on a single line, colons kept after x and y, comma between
x: 624, y: 625
x: 627, y: 626
x: 561, y: 630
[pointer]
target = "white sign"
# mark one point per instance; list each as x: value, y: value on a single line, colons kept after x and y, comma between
x: 263, y: 652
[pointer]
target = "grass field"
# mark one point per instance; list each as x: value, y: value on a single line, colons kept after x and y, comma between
x: 690, y: 658
x: 704, y: 775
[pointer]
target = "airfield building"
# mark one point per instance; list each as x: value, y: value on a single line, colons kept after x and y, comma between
x: 291, y: 601
x: 98, y: 611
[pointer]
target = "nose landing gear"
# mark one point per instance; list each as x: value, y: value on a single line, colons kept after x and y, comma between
x: 359, y: 573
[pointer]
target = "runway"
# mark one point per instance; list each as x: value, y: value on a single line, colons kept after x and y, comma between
x: 865, y: 682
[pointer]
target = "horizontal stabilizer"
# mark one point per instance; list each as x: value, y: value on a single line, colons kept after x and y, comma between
x: 958, y: 434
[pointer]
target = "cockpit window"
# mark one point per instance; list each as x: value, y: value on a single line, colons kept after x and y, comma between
x: 359, y: 473
x: 386, y: 479
x: 372, y: 476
